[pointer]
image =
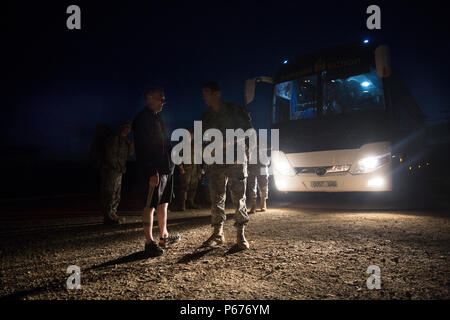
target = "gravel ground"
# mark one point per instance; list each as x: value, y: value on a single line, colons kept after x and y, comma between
x: 296, y: 253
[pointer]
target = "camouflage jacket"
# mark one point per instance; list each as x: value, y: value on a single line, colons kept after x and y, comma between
x: 118, y: 149
x: 229, y: 116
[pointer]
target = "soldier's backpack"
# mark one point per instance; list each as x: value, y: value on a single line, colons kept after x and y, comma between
x: 98, y: 146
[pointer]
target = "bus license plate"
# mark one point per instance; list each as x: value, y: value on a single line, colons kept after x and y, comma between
x: 323, y: 184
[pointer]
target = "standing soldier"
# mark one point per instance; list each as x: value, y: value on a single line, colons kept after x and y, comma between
x: 190, y: 174
x: 220, y: 115
x: 117, y: 150
x: 258, y: 177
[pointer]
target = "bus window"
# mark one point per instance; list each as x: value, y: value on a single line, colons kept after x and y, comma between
x: 356, y: 93
x: 295, y: 100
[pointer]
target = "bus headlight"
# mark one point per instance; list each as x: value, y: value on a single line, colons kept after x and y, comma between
x: 280, y: 184
x: 281, y: 164
x: 370, y: 164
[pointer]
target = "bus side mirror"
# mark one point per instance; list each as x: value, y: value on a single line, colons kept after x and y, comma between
x: 249, y: 95
x: 250, y: 85
x: 383, y: 61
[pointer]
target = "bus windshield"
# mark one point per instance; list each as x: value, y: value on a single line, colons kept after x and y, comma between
x: 299, y: 98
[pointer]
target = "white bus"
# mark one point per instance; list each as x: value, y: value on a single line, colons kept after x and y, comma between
x: 345, y: 123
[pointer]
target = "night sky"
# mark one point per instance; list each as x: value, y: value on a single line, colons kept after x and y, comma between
x: 60, y: 83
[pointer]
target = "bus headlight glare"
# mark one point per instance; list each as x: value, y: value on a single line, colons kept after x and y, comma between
x: 281, y: 163
x: 370, y: 164
x: 280, y: 184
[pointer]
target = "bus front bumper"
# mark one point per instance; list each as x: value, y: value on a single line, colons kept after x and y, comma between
x: 376, y: 181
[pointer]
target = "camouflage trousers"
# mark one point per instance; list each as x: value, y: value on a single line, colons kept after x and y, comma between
x: 110, y: 184
x: 233, y: 175
x: 258, y: 177
x: 189, y: 183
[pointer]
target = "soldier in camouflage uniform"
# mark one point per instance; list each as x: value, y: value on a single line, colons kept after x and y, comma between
x: 190, y: 174
x: 222, y: 116
x: 117, y: 150
x: 258, y: 177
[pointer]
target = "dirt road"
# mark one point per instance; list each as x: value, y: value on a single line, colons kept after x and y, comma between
x: 296, y: 253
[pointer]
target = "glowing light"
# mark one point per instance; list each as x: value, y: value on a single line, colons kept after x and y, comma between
x: 366, y: 41
x: 280, y: 183
x: 281, y: 164
x: 401, y: 159
x: 375, y: 182
x: 410, y: 168
x: 285, y: 61
x: 365, y: 84
x: 369, y: 163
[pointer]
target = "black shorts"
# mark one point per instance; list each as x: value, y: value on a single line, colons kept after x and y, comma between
x: 162, y: 193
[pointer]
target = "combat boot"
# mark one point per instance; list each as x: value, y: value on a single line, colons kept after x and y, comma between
x: 117, y: 218
x: 253, y: 206
x: 216, y: 239
x: 242, y: 243
x: 113, y: 219
x: 263, y: 204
